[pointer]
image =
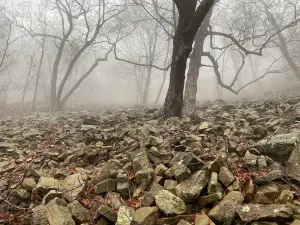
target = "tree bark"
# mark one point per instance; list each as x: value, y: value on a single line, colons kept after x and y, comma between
x: 189, y: 22
x: 283, y: 46
x: 38, y: 76
x: 190, y: 95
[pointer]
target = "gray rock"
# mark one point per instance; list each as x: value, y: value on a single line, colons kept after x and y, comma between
x: 225, y: 176
x: 108, y: 213
x: 224, y: 212
x: 79, y: 213
x: 29, y: 184
x: 160, y: 170
x: 39, y: 216
x: 21, y: 194
x: 145, y: 175
x: 57, y: 213
x: 285, y: 197
x: 191, y: 188
x: 169, y: 203
x: 47, y: 184
x: 266, y: 194
x: 140, y: 162
x: 159, y: 156
x: 207, y: 199
x: 187, y: 159
x: 170, y: 185
x: 252, y: 212
x: 278, y: 147
x: 125, y: 215
x: 183, y: 222
x: 212, y: 183
x: 72, y: 186
x: 149, y: 198
x: 182, y: 173
x: 145, y: 216
x: 203, y: 220
x: 106, y: 186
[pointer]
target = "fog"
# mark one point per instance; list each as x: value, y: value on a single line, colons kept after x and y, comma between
x: 119, y: 52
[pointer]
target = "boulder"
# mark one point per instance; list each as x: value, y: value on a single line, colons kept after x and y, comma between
x: 190, y: 189
x: 72, y: 186
x: 170, y: 185
x: 266, y: 194
x: 140, y: 162
x: 46, y: 184
x: 187, y: 159
x: 169, y: 203
x: 160, y: 170
x: 39, y: 215
x: 29, y: 184
x: 285, y: 197
x: 224, y: 212
x: 252, y: 212
x: 278, y: 147
x: 212, y: 183
x: 183, y: 222
x: 149, y: 198
x: 207, y: 199
x: 145, y: 175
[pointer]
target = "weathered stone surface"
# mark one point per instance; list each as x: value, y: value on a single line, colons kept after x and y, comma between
x: 169, y: 204
x: 253, y: 212
x: 29, y: 184
x: 212, y: 183
x: 225, y: 176
x: 145, y: 175
x: 125, y: 215
x: 203, y: 220
x: 170, y: 185
x: 149, y: 198
x: 39, y: 216
x: 140, y: 162
x: 72, y: 186
x: 296, y: 222
x: 160, y: 170
x: 293, y: 165
x: 46, y: 184
x: 106, y: 186
x: 174, y: 220
x: 278, y: 147
x: 190, y: 189
x: 266, y: 194
x: 79, y: 213
x: 57, y: 213
x: 183, y: 222
x: 20, y: 194
x: 285, y: 197
x: 182, y: 173
x: 224, y: 212
x: 187, y: 159
x: 159, y: 156
x: 108, y: 213
x: 215, y: 165
x: 145, y: 216
x: 205, y: 200
x: 249, y: 189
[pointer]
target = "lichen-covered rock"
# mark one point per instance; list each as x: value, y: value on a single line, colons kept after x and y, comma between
x: 106, y: 186
x: 278, y: 147
x: 46, y: 184
x: 125, y: 215
x: 190, y: 189
x: 169, y: 203
x: 145, y: 175
x: 140, y: 162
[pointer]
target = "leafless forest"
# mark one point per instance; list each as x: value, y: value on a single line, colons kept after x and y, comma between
x: 144, y: 112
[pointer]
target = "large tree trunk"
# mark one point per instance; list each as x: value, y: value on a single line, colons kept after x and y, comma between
x: 189, y: 22
x: 283, y: 46
x: 190, y: 95
x: 147, y: 86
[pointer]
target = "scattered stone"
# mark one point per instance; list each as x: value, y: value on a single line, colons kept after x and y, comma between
x: 285, y: 197
x: 212, y: 183
x: 169, y: 204
x: 149, y: 198
x: 39, y: 216
x: 145, y: 216
x: 253, y: 212
x: 20, y: 194
x: 29, y: 184
x: 57, y: 213
x: 191, y: 188
x: 125, y: 215
x: 205, y: 200
x: 144, y: 176
x: 140, y: 162
x: 182, y: 173
x: 170, y: 185
x: 183, y: 222
x: 79, y: 213
x: 266, y: 194
x: 106, y: 186
x: 160, y: 170
x: 203, y: 220
x: 225, y: 176
x: 108, y: 213
x: 224, y: 212
x: 72, y: 186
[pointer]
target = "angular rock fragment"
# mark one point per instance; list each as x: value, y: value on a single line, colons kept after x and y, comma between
x: 106, y: 186
x: 169, y: 203
x: 225, y: 176
x: 79, y: 213
x: 108, y: 213
x: 125, y: 215
x: 145, y: 216
x: 191, y: 188
x: 252, y: 212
